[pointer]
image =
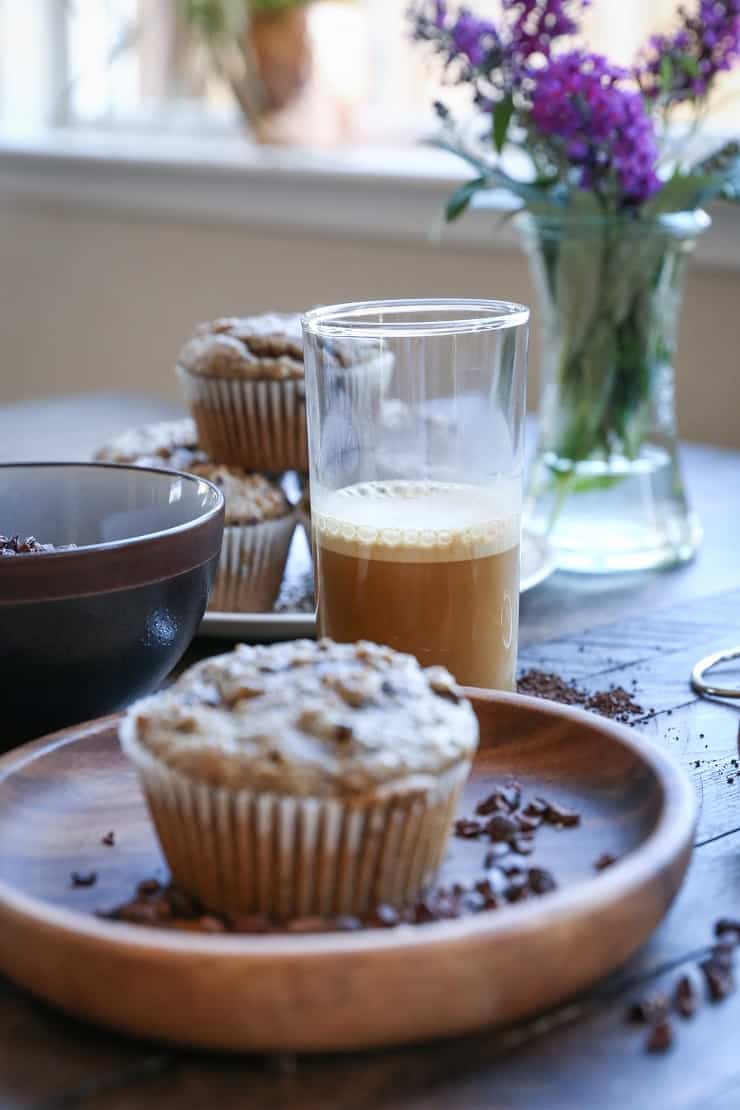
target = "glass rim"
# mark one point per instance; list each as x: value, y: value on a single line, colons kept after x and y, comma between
x: 469, y: 315
x: 685, y: 223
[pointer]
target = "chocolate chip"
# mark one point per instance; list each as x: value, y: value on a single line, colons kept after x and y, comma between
x: 87, y: 878
x: 653, y: 1008
x: 559, y: 815
x: 109, y: 839
x: 727, y: 926
x: 604, y: 861
x: 501, y: 828
x: 467, y: 829
x: 660, y: 1037
x: 149, y: 886
x: 541, y: 881
x: 685, y: 998
x: 720, y: 981
x: 182, y: 904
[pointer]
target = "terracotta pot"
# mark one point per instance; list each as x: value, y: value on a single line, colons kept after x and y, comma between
x: 280, y: 46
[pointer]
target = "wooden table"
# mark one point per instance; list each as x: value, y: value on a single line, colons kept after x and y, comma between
x: 647, y: 627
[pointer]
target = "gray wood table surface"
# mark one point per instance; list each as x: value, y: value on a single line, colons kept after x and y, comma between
x: 645, y: 629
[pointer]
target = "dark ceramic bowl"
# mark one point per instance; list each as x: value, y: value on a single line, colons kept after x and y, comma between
x: 84, y: 632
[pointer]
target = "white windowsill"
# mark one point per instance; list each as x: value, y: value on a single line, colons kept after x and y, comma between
x: 381, y: 194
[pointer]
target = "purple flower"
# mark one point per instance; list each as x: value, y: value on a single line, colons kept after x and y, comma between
x: 462, y: 37
x: 537, y: 24
x: 707, y: 43
x: 590, y: 115
x: 473, y: 38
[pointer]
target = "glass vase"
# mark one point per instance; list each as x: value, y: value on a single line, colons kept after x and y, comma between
x: 605, y: 483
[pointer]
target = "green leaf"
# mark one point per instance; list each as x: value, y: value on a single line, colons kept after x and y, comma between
x: 688, y: 65
x: 666, y: 74
x: 685, y: 191
x: 502, y: 114
x: 445, y: 144
x: 461, y: 198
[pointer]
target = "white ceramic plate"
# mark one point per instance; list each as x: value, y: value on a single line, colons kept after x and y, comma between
x: 538, y: 563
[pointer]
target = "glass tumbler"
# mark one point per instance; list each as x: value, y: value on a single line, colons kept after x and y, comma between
x: 415, y: 430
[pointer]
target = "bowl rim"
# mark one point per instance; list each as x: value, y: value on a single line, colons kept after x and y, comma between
x: 72, y: 572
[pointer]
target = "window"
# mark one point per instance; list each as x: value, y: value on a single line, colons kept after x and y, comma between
x: 135, y: 64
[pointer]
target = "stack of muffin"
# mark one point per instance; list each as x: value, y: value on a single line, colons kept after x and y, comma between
x: 244, y: 381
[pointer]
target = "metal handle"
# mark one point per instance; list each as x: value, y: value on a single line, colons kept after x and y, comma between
x: 704, y: 665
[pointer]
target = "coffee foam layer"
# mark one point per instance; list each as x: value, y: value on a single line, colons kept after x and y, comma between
x: 422, y: 522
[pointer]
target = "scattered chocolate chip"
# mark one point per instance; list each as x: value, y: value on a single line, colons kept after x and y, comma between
x: 536, y: 809
x: 88, y: 878
x: 467, y: 828
x: 501, y: 828
x: 651, y: 1009
x: 727, y: 925
x: 660, y: 1037
x: 149, y: 886
x: 541, y: 881
x: 685, y: 998
x: 560, y: 816
x: 719, y: 979
x: 616, y: 702
x: 109, y: 839
x: 604, y: 861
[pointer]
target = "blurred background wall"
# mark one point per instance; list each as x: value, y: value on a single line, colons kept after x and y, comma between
x: 97, y: 301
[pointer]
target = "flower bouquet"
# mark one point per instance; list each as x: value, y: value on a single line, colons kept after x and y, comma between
x: 611, y: 190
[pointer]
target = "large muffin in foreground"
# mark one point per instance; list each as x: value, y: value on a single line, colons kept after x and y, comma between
x: 303, y: 778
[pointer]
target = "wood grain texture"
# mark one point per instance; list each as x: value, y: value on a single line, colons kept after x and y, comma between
x: 576, y: 1057
x: 336, y: 991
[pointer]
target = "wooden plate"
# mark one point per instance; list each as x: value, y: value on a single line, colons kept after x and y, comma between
x: 60, y: 795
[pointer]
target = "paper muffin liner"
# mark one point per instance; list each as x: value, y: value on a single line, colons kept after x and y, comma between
x: 251, y: 566
x: 258, y: 425
x: 243, y: 852
x: 261, y: 425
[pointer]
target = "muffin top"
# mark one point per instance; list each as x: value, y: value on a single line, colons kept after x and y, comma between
x: 246, y: 347
x: 169, y: 443
x: 173, y: 444
x: 306, y: 718
x: 268, y: 347
x: 250, y: 498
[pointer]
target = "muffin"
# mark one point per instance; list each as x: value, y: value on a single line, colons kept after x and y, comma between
x: 244, y: 381
x: 305, y: 778
x: 259, y: 526
x: 259, y: 522
x: 169, y: 443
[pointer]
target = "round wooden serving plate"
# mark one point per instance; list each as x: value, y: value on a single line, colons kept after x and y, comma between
x: 59, y: 796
